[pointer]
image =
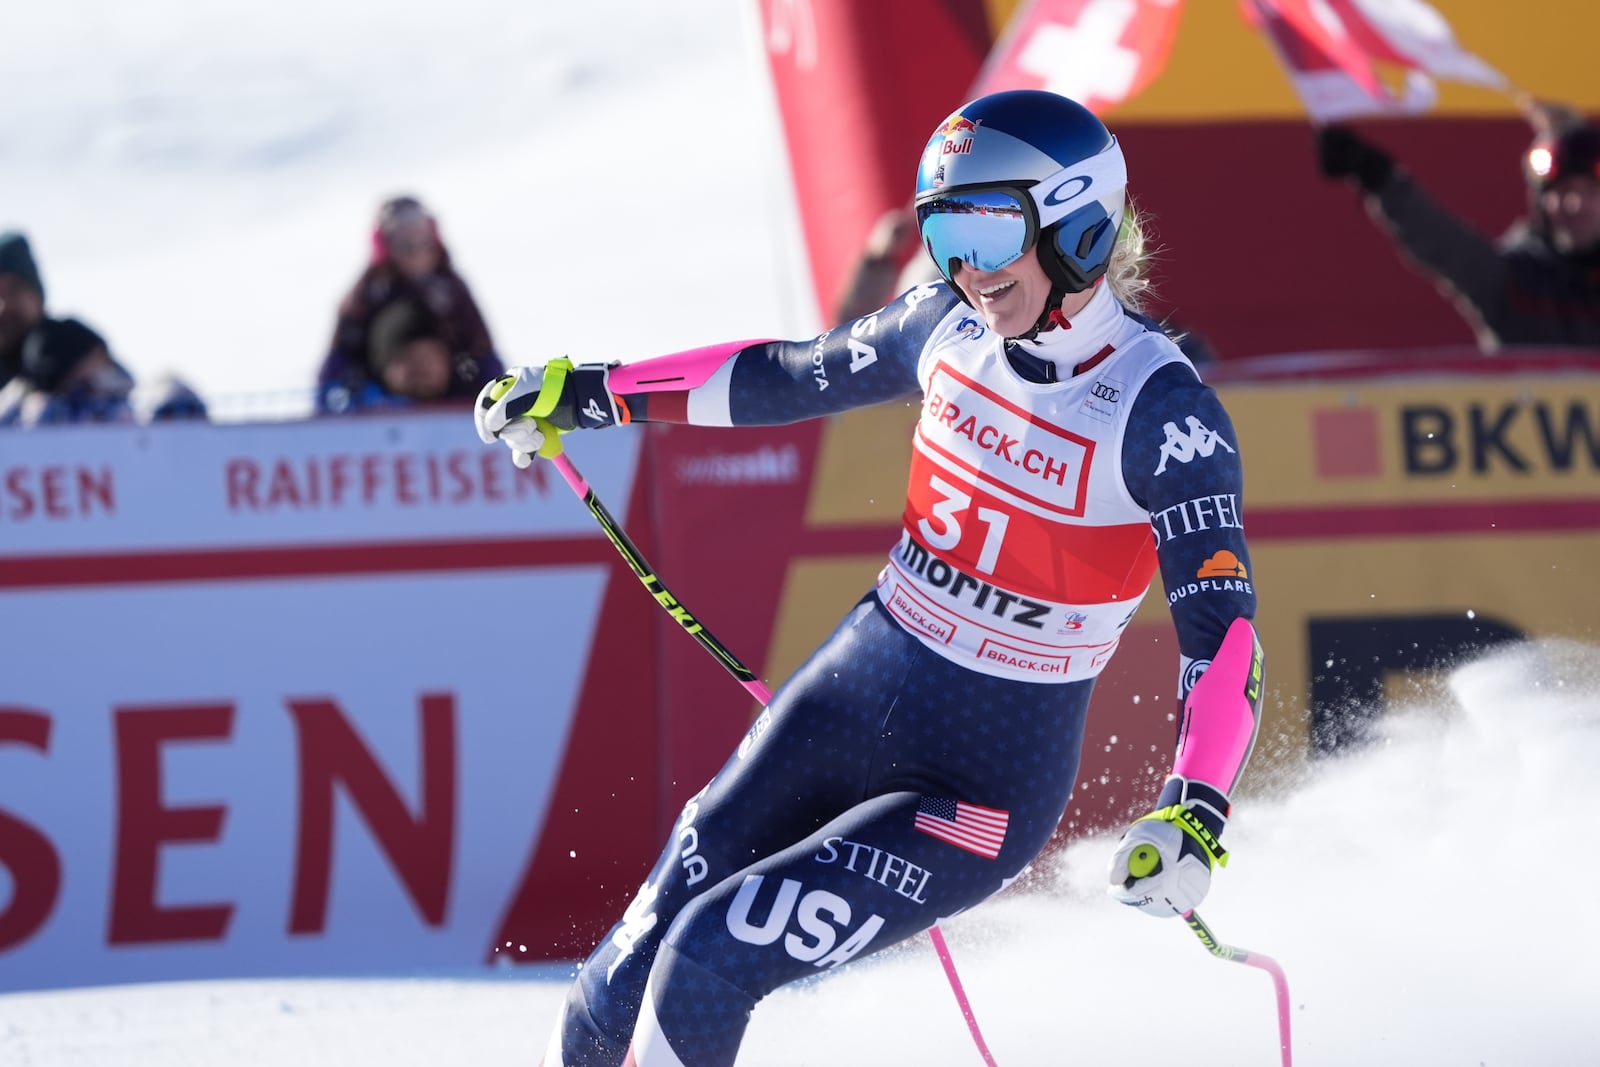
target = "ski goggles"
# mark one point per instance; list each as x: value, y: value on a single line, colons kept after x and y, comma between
x: 988, y: 226
x: 983, y: 228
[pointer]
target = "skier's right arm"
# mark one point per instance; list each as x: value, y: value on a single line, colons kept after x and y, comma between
x: 867, y: 361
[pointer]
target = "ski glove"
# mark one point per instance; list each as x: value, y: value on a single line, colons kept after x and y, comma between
x: 1163, y: 864
x: 528, y: 408
x: 1341, y: 154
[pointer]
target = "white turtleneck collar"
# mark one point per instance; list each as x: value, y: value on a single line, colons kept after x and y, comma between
x: 1092, y: 328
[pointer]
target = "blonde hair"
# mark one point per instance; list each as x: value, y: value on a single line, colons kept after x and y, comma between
x: 1128, y: 272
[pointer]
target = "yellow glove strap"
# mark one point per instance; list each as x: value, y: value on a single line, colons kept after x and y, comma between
x: 555, y: 380
x: 1190, y: 823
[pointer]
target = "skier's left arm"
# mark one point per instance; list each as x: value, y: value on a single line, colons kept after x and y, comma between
x: 1181, y: 461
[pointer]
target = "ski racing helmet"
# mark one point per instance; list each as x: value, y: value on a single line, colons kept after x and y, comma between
x: 1016, y: 169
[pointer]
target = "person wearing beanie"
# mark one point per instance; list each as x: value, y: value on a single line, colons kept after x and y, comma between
x: 408, y: 263
x: 1539, y: 284
x: 21, y: 300
x: 52, y: 370
x: 16, y: 258
x: 407, y: 354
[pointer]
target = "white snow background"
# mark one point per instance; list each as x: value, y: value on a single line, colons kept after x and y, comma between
x: 198, y: 181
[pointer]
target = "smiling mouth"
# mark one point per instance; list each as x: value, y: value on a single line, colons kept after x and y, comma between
x: 992, y: 291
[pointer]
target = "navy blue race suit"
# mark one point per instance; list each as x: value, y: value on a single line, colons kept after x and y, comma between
x: 924, y: 754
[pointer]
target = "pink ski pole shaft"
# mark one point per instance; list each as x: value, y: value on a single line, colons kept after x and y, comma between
x: 1280, y: 982
x: 753, y: 685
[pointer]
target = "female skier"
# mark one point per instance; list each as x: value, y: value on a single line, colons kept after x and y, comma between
x: 923, y: 755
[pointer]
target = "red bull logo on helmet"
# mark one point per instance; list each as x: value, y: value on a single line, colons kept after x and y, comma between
x: 954, y: 137
x: 955, y: 127
x: 956, y: 134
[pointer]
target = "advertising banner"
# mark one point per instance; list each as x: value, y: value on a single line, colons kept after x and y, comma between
x: 356, y: 696
x: 857, y: 89
x: 290, y: 699
x: 1408, y: 514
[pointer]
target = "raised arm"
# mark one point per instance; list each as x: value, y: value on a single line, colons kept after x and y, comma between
x: 1466, y: 265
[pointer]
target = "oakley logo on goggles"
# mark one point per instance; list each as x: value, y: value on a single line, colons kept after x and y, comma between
x: 990, y: 225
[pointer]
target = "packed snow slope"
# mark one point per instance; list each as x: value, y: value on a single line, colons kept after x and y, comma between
x: 1429, y: 898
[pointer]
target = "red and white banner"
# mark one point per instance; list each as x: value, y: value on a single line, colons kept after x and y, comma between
x: 858, y: 86
x: 355, y: 696
x: 1337, y: 53
x: 1098, y: 52
x: 297, y: 698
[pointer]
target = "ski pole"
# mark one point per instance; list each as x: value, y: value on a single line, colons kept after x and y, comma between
x: 646, y: 574
x: 1280, y: 983
x: 746, y: 677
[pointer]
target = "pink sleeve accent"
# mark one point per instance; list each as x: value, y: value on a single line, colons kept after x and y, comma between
x: 675, y: 373
x: 1223, y: 711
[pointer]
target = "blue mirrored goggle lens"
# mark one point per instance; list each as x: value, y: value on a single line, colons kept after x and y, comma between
x: 985, y: 230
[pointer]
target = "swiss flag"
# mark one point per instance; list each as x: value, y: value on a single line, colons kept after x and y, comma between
x: 1098, y: 52
x: 1334, y: 51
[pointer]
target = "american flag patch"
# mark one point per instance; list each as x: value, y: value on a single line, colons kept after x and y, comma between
x: 980, y: 830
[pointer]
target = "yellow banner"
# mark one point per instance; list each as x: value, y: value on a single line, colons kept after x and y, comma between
x: 1397, y: 522
x: 1222, y: 68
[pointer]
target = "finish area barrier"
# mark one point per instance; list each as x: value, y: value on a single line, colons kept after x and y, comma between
x: 357, y: 696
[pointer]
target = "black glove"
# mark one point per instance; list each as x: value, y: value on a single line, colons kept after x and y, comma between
x: 1342, y: 154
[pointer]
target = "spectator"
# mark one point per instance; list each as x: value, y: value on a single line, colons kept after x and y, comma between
x: 407, y: 357
x: 1539, y: 284
x: 51, y: 370
x: 410, y: 263
x: 167, y: 399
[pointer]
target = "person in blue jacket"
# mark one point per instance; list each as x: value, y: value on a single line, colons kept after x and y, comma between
x: 53, y: 369
x: 409, y: 264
